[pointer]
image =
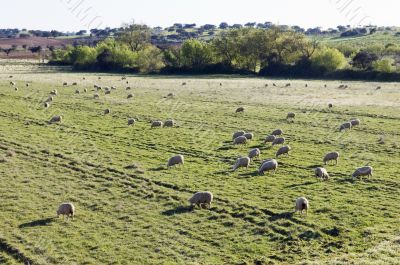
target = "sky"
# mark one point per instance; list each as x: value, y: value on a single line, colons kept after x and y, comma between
x: 74, y: 15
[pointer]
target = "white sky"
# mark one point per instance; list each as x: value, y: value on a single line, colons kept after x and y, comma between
x: 73, y: 15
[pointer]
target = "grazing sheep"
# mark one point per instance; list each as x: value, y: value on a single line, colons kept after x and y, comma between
x: 176, y: 160
x: 46, y: 105
x: 107, y: 111
x: 220, y: 84
x: 49, y: 99
x: 184, y: 84
x: 291, y: 115
x: 128, y: 88
x: 240, y: 109
x: 171, y: 95
x: 237, y: 134
x: 363, y: 171
x: 288, y: 85
x: 99, y: 77
x: 355, y: 122
x: 27, y: 85
x: 99, y: 88
x: 280, y: 140
x: 55, y: 119
x: 277, y: 132
x: 66, y: 209
x: 54, y: 92
x: 321, y: 173
x: 331, y: 156
x: 378, y: 88
x: 74, y: 83
x: 273, y: 84
x: 107, y: 88
x: 283, y: 150
x: 169, y: 123
x: 65, y: 84
x: 108, y: 92
x: 113, y: 88
x: 254, y: 153
x: 249, y: 136
x: 156, y: 124
x: 344, y: 126
x: 269, y: 139
x: 268, y: 165
x: 77, y: 91
x: 325, y: 85
x: 306, y: 85
x: 301, y: 205
x: 266, y: 85
x: 16, y: 88
x: 201, y: 198
x: 96, y: 96
x: 241, y: 162
x: 330, y: 105
x: 240, y: 140
x: 131, y: 121
x: 13, y: 84
x: 85, y: 90
x: 130, y: 96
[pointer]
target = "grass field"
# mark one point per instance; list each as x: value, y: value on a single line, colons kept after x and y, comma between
x: 132, y: 210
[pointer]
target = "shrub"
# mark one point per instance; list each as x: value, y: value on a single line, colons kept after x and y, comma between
x: 328, y: 59
x: 384, y: 65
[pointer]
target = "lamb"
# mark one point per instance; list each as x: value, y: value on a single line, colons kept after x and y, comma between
x: 169, y: 123
x: 175, y: 160
x: 240, y: 109
x: 249, y: 136
x: 77, y: 91
x: 65, y: 84
x: 96, y: 96
x: 331, y: 156
x: 268, y: 165
x: 280, y: 140
x: 108, y: 92
x: 330, y: 105
x: 291, y: 115
x: 363, y: 171
x: 301, y: 205
x: 344, y: 126
x: 253, y: 153
x: 283, y: 150
x: 46, y: 105
x: 131, y: 121
x: 269, y: 139
x: 107, y: 111
x: 55, y: 119
x: 66, y: 209
x: 156, y: 124
x: 321, y: 173
x: 355, y: 122
x: 277, y: 132
x: 237, y: 134
x: 201, y: 198
x: 130, y: 96
x: 242, y: 162
x: 240, y: 140
x: 49, y: 99
x: 74, y: 83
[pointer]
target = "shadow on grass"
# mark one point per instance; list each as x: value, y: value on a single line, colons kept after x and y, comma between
x: 252, y: 174
x: 178, y: 210
x: 158, y: 168
x: 285, y: 215
x: 301, y: 184
x: 41, y: 222
x: 226, y: 147
x: 314, y: 166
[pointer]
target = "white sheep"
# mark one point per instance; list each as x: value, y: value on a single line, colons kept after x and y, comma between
x: 268, y: 165
x: 301, y: 205
x: 344, y: 126
x: 201, y: 198
x: 237, y: 134
x: 249, y: 136
x: 241, y: 162
x: 157, y: 124
x: 46, y: 105
x: 269, y: 139
x: 131, y: 121
x: 240, y: 140
x: 77, y: 91
x: 291, y: 115
x: 280, y: 140
x: 66, y: 209
x: 130, y: 95
x: 240, y: 109
x: 283, y: 150
x: 277, y: 132
x: 331, y: 156
x: 96, y: 96
x: 169, y: 123
x: 355, y: 122
x: 321, y: 173
x: 107, y: 111
x: 49, y: 99
x: 253, y: 153
x: 363, y: 171
x: 55, y: 119
x: 176, y: 160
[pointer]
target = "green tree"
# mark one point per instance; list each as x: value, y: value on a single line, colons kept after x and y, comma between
x: 196, y: 54
x: 136, y: 36
x: 328, y: 59
x: 384, y: 65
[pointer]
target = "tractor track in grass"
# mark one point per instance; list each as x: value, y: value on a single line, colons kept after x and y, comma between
x: 15, y: 253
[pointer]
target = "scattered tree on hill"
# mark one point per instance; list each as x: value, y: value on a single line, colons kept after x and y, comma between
x: 136, y: 36
x: 364, y: 59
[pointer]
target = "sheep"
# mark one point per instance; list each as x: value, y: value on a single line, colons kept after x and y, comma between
x: 355, y: 122
x: 269, y: 139
x: 291, y: 115
x: 277, y: 132
x: 107, y: 111
x: 288, y: 85
x: 363, y: 171
x: 184, y: 84
x: 96, y: 96
x: 99, y: 78
x: 113, y: 88
x: 325, y: 85
x: 273, y: 84
x: 240, y: 140
x: 54, y: 92
x: 77, y: 91
x: 268, y: 165
x: 330, y: 105
x: 66, y: 209
x: 201, y: 198
x: 16, y: 88
x: 378, y: 88
x: 156, y: 124
x: 240, y: 109
x: 13, y: 84
x: 46, y: 105
x: 301, y: 205
x: 249, y: 136
x: 321, y: 173
x: 241, y: 162
x: 108, y: 92
x: 331, y: 156
x: 49, y: 99
x: 65, y: 84
x: 283, y: 150
x: 266, y: 85
x: 74, y: 83
x: 253, y: 153
x: 171, y: 95
x: 344, y: 126
x: 107, y: 88
x: 85, y: 90
x: 280, y: 140
x: 55, y: 119
x: 131, y: 121
x: 176, y: 160
x: 306, y: 85
x: 237, y: 134
x: 99, y: 88
x: 169, y: 123
x: 128, y: 88
x: 130, y: 96
x: 27, y: 85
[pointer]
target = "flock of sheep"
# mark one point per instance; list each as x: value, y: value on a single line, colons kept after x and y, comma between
x: 205, y: 198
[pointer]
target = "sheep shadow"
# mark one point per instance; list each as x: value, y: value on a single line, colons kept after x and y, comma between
x: 178, y: 210
x: 285, y: 215
x: 249, y: 174
x: 41, y: 222
x: 160, y: 168
x: 314, y: 166
x: 224, y: 148
x: 299, y: 185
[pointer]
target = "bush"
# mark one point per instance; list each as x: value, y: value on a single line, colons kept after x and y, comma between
x: 384, y: 66
x: 328, y: 60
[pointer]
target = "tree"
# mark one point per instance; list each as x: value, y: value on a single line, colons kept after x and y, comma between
x: 196, y: 54
x: 384, y: 65
x: 136, y: 36
x: 223, y: 25
x: 364, y: 59
x: 328, y: 59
